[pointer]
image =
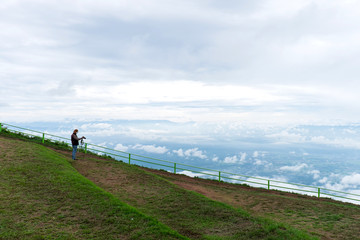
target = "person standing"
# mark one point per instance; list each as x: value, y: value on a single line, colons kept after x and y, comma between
x: 75, y: 143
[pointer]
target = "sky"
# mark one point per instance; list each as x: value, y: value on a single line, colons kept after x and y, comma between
x: 264, y: 62
x: 270, y: 85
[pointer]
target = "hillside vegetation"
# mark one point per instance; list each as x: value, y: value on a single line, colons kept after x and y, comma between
x: 43, y: 197
x: 46, y: 195
x: 324, y: 217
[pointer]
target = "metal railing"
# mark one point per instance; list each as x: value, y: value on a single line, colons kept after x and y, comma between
x: 175, y: 167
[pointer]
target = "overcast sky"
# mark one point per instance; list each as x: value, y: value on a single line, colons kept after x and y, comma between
x: 269, y: 62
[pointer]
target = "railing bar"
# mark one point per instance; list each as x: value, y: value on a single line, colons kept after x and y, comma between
x: 134, y: 159
x: 265, y: 184
x: 151, y: 158
x: 21, y: 128
x: 295, y: 184
x: 29, y: 134
x: 90, y: 144
x: 233, y: 178
x: 48, y: 134
x: 130, y: 153
x: 103, y: 151
x: 301, y: 190
x: 244, y: 176
x: 197, y: 172
x: 212, y: 170
x: 264, y: 179
x: 111, y: 154
x: 340, y: 197
x: 340, y: 192
x: 240, y: 180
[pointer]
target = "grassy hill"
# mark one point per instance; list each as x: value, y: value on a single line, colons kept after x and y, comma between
x: 43, y: 197
x: 324, y: 217
x: 46, y: 195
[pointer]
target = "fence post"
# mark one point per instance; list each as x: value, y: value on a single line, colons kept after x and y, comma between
x: 85, y: 148
x: 219, y: 176
x: 268, y: 184
x: 318, y: 192
x: 174, y: 167
x: 0, y: 127
x: 129, y: 158
x: 43, y: 138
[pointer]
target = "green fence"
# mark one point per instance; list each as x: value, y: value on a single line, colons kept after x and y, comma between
x: 187, y: 169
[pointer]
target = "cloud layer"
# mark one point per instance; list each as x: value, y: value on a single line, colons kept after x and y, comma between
x: 270, y: 62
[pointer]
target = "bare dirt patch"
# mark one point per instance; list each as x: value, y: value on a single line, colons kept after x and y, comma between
x: 6, y: 149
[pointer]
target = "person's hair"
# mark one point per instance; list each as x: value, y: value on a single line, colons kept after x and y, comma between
x: 75, y: 131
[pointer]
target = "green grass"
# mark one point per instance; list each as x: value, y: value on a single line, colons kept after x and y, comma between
x: 325, y: 218
x: 43, y: 197
x: 189, y: 213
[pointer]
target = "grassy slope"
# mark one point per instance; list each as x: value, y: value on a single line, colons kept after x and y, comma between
x: 189, y: 213
x: 326, y: 218
x: 43, y: 197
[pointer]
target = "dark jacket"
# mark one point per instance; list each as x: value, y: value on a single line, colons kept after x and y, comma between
x: 75, y: 139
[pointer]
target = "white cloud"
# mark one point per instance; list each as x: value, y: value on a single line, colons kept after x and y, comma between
x: 323, y: 180
x: 342, y: 142
x: 342, y: 138
x: 295, y: 168
x: 179, y: 152
x: 121, y: 147
x: 177, y: 92
x: 193, y: 152
x: 347, y: 183
x: 315, y: 173
x: 280, y: 9
x: 287, y: 137
x: 259, y: 162
x: 353, y: 179
x: 95, y: 126
x: 75, y: 67
x: 279, y: 178
x: 151, y: 148
x: 243, y: 157
x: 98, y: 129
x: 233, y: 159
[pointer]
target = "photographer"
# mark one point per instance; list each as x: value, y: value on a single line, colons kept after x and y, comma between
x: 75, y: 143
